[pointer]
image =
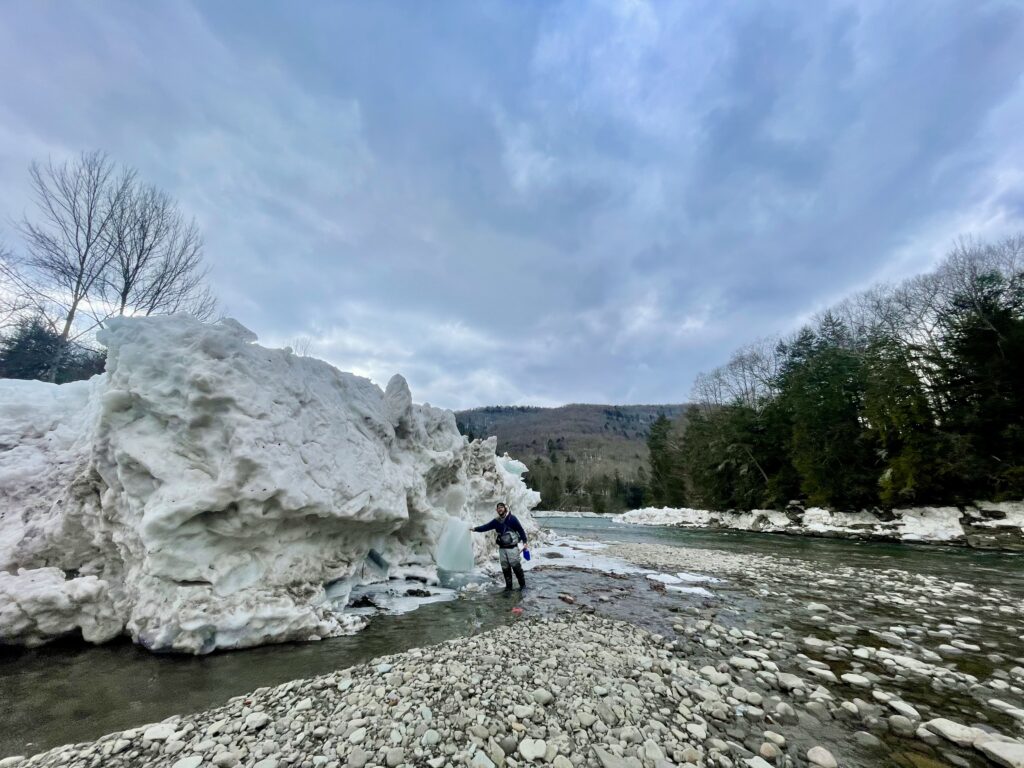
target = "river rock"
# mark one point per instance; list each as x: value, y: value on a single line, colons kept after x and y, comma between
x: 543, y: 696
x: 1006, y: 753
x: 821, y: 757
x: 960, y: 735
x: 532, y: 749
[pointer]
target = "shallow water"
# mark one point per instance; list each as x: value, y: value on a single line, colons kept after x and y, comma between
x: 985, y: 568
x: 69, y: 692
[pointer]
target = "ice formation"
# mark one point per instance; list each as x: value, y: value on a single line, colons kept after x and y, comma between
x: 455, y: 547
x: 207, y: 492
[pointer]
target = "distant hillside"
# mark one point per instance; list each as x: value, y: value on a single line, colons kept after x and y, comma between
x: 580, y: 456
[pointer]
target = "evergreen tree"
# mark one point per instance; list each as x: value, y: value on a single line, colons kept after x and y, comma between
x: 32, y: 349
x: 978, y: 383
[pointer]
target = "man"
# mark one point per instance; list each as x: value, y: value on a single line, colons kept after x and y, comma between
x: 509, y: 532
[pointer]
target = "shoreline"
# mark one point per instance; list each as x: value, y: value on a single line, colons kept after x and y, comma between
x: 995, y: 527
x: 828, y: 673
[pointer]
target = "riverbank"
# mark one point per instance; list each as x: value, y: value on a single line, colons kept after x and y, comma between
x: 782, y: 660
x: 996, y: 526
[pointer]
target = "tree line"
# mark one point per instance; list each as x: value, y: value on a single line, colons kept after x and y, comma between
x: 562, y: 487
x: 98, y: 243
x: 907, y: 394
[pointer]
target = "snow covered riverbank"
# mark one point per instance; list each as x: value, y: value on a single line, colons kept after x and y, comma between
x: 206, y: 492
x: 983, y: 526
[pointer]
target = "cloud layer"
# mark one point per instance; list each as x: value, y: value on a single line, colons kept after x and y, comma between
x: 532, y: 202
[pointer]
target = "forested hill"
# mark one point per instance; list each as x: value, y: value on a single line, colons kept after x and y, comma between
x: 580, y: 456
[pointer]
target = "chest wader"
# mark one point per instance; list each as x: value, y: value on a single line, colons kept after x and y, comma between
x: 508, y: 557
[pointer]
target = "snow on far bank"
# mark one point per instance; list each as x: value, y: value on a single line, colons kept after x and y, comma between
x: 206, y: 492
x: 567, y: 513
x: 984, y: 525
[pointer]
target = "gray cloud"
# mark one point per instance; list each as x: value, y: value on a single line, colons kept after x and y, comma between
x: 537, y: 203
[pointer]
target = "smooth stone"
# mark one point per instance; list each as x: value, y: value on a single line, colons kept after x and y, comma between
x: 192, y: 761
x: 854, y: 679
x: 901, y: 725
x: 255, y: 721
x: 959, y: 734
x: 158, y: 732
x: 789, y: 681
x: 821, y: 757
x: 865, y: 739
x: 1009, y: 754
x: 395, y: 757
x: 429, y: 738
x: 768, y: 751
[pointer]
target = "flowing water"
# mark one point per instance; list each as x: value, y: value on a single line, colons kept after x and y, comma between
x: 68, y: 691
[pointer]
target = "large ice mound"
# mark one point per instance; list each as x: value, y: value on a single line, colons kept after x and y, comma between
x: 207, y: 492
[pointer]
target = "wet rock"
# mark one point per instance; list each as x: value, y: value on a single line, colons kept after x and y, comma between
x: 1006, y: 753
x: 821, y: 757
x: 960, y: 735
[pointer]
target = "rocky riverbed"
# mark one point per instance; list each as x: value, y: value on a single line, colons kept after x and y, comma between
x: 776, y: 661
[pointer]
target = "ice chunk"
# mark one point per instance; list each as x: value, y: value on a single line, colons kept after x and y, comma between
x: 203, y: 491
x: 455, y: 547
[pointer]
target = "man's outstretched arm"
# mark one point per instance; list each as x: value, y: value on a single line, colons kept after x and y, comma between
x: 486, y: 527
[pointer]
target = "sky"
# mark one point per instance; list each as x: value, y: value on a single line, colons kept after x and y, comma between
x: 535, y: 203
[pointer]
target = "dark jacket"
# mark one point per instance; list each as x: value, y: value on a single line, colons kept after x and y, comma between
x: 509, y: 525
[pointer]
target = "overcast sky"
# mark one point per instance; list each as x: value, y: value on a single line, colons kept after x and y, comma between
x: 536, y: 203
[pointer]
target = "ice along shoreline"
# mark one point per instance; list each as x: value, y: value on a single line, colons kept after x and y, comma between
x: 985, y: 525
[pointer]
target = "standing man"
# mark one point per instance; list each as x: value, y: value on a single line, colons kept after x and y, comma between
x: 509, y: 532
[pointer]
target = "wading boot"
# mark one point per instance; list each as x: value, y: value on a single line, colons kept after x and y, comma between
x: 507, y: 573
x: 520, y: 577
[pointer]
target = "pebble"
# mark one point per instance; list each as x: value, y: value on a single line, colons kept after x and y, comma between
x: 532, y: 749
x: 543, y: 697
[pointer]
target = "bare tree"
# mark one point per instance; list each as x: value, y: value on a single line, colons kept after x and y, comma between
x: 68, y: 244
x: 157, y: 264
x: 302, y: 346
x: 101, y: 245
x: 13, y: 305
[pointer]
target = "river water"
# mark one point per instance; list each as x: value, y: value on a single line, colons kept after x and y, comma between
x: 68, y: 691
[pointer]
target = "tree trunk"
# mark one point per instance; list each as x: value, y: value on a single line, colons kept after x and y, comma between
x: 62, y: 345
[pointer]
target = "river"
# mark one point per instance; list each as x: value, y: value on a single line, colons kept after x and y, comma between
x: 69, y: 691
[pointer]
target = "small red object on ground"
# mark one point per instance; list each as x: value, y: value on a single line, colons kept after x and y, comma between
x: 517, y: 610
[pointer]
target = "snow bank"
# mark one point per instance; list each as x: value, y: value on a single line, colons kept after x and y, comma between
x: 209, y: 493
x: 984, y: 525
x: 568, y: 513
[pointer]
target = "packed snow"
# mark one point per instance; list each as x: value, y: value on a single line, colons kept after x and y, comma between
x: 207, y: 492
x: 983, y: 525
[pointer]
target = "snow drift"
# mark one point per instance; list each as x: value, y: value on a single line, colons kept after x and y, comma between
x: 985, y: 525
x: 207, y: 492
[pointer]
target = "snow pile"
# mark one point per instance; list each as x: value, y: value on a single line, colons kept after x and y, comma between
x: 983, y: 525
x: 207, y: 492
